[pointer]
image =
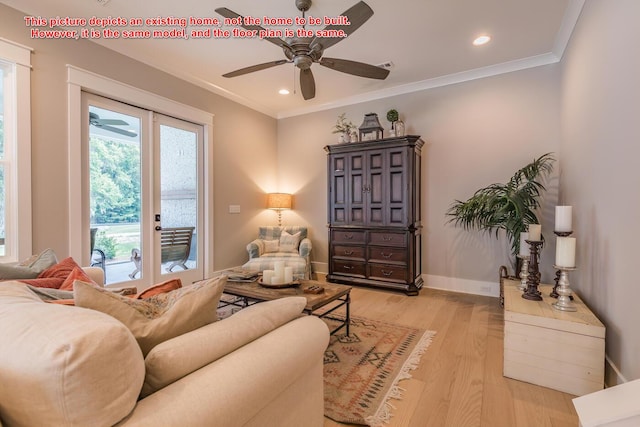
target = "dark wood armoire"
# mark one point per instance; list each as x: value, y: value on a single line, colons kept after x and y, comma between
x: 374, y: 213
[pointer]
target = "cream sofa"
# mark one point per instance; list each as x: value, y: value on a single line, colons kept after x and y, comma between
x: 70, y: 366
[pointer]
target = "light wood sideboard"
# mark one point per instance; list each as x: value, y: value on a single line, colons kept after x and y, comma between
x: 552, y: 348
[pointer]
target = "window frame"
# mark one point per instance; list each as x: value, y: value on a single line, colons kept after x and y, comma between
x: 17, y: 144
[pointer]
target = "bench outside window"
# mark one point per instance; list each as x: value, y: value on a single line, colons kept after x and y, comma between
x: 175, y: 243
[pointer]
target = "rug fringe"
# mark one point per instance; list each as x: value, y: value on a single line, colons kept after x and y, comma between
x: 384, y: 413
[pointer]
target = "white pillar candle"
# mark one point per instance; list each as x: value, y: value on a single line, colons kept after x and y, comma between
x: 535, y: 232
x: 267, y: 276
x: 566, y: 251
x: 524, y: 246
x: 563, y: 218
x: 288, y: 274
x: 278, y: 277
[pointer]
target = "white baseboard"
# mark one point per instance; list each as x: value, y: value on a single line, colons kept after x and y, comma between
x: 612, y: 375
x: 320, y: 267
x: 454, y: 284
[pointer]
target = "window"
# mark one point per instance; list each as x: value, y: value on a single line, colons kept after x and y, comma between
x: 15, y: 152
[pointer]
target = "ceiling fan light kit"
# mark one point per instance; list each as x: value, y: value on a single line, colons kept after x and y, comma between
x: 303, y: 52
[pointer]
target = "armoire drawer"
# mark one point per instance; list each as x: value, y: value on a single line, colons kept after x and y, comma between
x: 391, y: 273
x: 344, y: 251
x: 349, y: 268
x: 387, y: 254
x: 346, y: 236
x: 384, y: 238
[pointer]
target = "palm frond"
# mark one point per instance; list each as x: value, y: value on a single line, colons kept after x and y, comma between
x: 510, y: 207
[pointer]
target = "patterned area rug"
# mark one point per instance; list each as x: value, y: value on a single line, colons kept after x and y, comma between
x: 362, y: 371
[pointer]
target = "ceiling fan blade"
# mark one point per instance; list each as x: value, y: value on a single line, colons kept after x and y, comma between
x: 357, y: 14
x: 356, y: 68
x: 120, y: 131
x: 227, y: 13
x: 307, y: 84
x: 115, y: 122
x: 253, y: 68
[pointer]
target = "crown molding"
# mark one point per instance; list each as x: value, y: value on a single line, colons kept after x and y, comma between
x: 478, y: 73
x: 569, y: 21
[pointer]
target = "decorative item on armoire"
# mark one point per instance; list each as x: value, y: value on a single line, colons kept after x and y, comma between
x: 392, y: 116
x: 369, y: 125
x: 345, y: 129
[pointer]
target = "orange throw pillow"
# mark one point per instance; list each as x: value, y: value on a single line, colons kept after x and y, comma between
x: 160, y: 288
x: 61, y: 270
x: 46, y: 282
x: 76, y: 274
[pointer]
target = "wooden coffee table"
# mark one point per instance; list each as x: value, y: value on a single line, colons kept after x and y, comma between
x: 321, y: 305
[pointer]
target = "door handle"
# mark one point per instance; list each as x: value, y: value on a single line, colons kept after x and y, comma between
x: 158, y: 228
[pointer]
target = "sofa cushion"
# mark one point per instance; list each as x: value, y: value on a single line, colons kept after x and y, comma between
x: 271, y: 246
x: 160, y: 317
x: 30, y: 268
x: 64, y: 366
x: 289, y: 242
x: 175, y: 358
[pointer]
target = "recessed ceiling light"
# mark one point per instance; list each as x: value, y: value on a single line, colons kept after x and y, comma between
x: 283, y: 92
x: 481, y: 40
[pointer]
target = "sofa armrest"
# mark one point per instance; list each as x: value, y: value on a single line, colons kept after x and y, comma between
x: 255, y: 248
x: 305, y: 247
x: 232, y: 390
x: 178, y: 357
x: 96, y: 274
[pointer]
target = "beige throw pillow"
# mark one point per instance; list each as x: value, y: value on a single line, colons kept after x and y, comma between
x: 289, y: 242
x: 29, y: 268
x: 271, y: 246
x: 160, y: 317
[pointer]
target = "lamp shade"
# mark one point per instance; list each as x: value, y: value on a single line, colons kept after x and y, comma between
x: 279, y: 201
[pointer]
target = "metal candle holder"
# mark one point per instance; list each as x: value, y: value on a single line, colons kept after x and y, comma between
x: 524, y: 272
x: 554, y: 292
x: 564, y: 291
x: 533, y: 278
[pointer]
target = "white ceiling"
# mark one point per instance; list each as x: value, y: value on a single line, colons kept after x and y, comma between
x: 428, y: 41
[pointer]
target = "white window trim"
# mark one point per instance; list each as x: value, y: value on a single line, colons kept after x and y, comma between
x: 19, y: 236
x: 79, y: 80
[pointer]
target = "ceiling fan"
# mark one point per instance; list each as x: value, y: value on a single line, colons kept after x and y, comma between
x: 304, y: 51
x: 108, y: 124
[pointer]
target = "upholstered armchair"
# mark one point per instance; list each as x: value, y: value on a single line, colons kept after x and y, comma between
x: 289, y: 244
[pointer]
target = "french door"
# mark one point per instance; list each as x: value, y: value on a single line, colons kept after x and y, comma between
x: 143, y: 194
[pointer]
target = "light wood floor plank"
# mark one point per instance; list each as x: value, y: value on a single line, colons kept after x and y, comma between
x: 459, y: 381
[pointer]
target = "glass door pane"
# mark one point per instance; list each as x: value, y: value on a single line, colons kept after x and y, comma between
x: 179, y: 147
x: 115, y: 193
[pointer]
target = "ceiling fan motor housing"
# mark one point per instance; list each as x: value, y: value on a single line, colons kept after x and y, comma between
x: 303, y: 5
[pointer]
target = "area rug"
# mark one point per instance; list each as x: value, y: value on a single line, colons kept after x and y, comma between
x: 362, y: 370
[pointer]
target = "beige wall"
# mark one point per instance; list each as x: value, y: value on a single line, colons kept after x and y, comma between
x: 244, y: 140
x: 476, y: 133
x: 601, y: 173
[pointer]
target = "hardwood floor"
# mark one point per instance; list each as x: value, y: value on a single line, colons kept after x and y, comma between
x: 459, y: 381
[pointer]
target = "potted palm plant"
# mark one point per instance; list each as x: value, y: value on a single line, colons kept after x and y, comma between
x: 510, y: 207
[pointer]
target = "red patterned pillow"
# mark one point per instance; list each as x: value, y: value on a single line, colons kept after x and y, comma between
x: 76, y: 274
x: 160, y: 288
x: 55, y: 276
x: 61, y: 270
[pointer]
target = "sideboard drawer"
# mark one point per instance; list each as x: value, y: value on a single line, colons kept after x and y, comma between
x: 348, y: 268
x: 387, y: 254
x: 346, y: 236
x: 387, y: 238
x: 344, y: 251
x: 390, y: 273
